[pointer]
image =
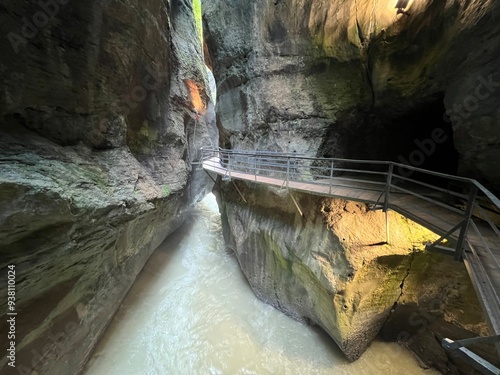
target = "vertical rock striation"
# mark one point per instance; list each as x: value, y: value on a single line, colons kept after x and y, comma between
x: 104, y: 105
x: 355, y: 79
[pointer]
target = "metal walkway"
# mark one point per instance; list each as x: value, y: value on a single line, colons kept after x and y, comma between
x: 461, y: 210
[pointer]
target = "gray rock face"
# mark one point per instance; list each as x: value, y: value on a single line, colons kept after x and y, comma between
x: 355, y: 79
x: 98, y: 129
x: 331, y: 268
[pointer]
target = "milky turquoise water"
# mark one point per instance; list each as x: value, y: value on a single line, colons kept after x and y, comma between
x: 192, y: 312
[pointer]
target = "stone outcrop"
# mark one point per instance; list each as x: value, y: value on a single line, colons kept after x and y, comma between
x: 331, y: 268
x: 355, y: 79
x: 104, y: 105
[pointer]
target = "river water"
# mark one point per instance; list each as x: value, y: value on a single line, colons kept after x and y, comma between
x: 191, y: 312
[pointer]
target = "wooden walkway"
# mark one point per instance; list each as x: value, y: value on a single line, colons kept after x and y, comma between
x: 481, y: 244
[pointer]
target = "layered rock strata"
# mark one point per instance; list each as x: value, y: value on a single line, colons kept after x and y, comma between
x: 104, y: 105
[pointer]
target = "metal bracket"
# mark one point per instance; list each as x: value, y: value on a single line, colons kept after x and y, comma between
x: 440, y: 249
x: 215, y: 182
x: 239, y: 192
x: 452, y: 345
x: 296, y: 204
x: 435, y: 244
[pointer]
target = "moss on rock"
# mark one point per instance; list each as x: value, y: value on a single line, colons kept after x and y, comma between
x: 329, y: 267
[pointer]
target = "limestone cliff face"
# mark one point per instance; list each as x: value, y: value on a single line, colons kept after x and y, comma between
x: 330, y: 267
x: 356, y: 79
x: 98, y: 128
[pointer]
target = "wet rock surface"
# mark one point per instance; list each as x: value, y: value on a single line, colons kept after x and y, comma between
x: 331, y: 268
x: 355, y: 79
x: 98, y: 129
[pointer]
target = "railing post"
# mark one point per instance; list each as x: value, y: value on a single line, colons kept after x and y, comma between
x: 331, y: 179
x: 255, y: 168
x: 465, y: 226
x: 388, y: 186
x: 386, y: 201
x: 287, y: 170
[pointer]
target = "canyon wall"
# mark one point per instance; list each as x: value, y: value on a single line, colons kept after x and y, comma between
x: 356, y: 79
x: 104, y: 105
x: 330, y: 266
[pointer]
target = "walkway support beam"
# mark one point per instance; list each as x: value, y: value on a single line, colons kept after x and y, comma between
x: 296, y: 205
x: 465, y: 226
x: 239, y: 192
x: 471, y: 358
x: 445, y: 236
x: 388, y: 186
x: 287, y: 171
x: 386, y: 201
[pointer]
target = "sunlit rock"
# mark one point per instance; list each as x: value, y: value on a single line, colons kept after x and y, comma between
x: 331, y: 267
x: 98, y: 130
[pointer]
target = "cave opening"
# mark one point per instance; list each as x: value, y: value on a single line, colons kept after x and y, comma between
x: 423, y: 138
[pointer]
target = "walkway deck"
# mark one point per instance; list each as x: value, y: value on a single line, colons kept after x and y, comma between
x: 423, y: 203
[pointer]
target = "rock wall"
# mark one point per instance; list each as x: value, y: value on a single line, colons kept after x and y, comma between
x: 104, y: 105
x: 355, y: 79
x: 331, y: 267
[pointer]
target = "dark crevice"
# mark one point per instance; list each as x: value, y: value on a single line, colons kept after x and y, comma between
x: 276, y: 297
x: 401, y: 287
x: 422, y: 138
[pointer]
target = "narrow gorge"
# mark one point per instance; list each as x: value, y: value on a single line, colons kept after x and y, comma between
x: 106, y: 106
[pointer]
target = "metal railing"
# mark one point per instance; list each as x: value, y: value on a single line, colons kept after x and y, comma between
x: 465, y: 198
x: 292, y: 167
x: 464, y: 204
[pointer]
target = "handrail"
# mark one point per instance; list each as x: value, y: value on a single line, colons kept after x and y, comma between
x: 481, y: 188
x: 488, y: 193
x: 293, y: 167
x: 395, y: 190
x: 444, y: 205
